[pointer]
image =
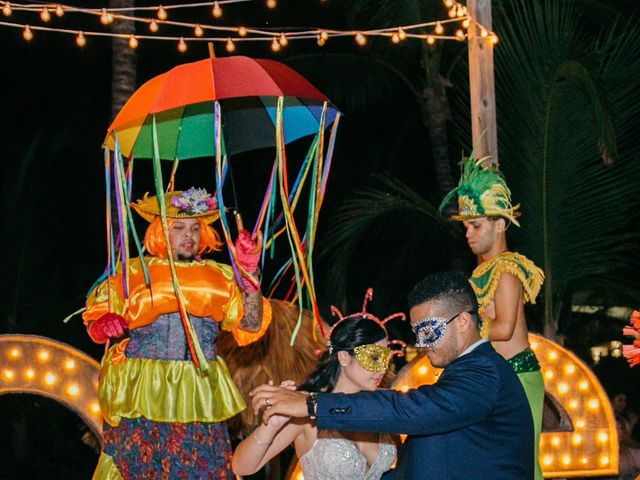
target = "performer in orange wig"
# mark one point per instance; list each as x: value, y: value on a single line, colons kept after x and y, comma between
x: 164, y: 415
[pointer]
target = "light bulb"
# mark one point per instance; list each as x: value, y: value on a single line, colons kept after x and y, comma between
x: 465, y: 23
x: 133, y: 41
x: 162, y: 13
x: 230, y: 46
x: 153, y: 26
x: 45, y: 16
x: 460, y: 34
x: 448, y: 3
x: 402, y: 34
x: 324, y: 35
x: 242, y: 32
x: 182, y: 45
x: 80, y: 40
x: 453, y: 11
x: 6, y: 10
x: 59, y: 10
x: 106, y: 18
x: 439, y: 28
x: 198, y: 32
x: 430, y: 40
x: 216, y: 11
x: 494, y: 39
x: 395, y: 38
x: 275, y: 45
x: 321, y: 41
x: 14, y: 353
x: 360, y: 38
x: 272, y: 3
x: 284, y: 41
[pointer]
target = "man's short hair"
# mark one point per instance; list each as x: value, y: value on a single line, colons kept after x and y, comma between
x: 451, y: 289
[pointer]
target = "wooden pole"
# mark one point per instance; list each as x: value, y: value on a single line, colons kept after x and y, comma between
x: 484, y: 130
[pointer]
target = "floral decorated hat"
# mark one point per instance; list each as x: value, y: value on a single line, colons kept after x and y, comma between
x: 482, y: 192
x: 192, y: 203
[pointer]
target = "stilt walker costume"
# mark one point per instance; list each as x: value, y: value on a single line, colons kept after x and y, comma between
x: 483, y: 192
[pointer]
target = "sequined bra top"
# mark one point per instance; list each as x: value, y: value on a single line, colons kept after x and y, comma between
x: 333, y: 457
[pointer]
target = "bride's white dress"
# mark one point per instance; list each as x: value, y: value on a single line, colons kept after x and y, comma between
x: 333, y: 457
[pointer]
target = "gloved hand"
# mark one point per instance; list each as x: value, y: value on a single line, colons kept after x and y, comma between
x: 109, y: 325
x: 248, y: 250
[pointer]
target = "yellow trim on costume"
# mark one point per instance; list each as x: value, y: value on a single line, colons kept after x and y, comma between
x: 167, y: 391
x: 106, y: 469
x: 485, y: 279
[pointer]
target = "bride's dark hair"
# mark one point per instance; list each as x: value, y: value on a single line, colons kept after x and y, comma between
x: 348, y: 334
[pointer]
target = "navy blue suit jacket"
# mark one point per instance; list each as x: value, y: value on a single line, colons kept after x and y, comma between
x: 475, y: 422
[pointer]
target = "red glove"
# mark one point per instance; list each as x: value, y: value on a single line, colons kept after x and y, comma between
x: 248, y: 250
x: 109, y: 325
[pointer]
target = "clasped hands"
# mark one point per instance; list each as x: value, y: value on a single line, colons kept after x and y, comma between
x: 279, y: 402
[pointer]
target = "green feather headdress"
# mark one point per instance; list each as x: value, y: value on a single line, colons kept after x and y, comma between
x: 482, y: 192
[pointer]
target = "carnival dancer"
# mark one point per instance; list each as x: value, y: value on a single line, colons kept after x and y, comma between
x: 165, y: 417
x: 474, y: 422
x: 503, y: 280
x: 356, y: 359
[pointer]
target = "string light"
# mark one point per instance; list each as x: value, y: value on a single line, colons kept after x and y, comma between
x: 230, y: 46
x: 59, y: 10
x: 360, y: 39
x: 106, y: 18
x: 153, y: 26
x: 321, y: 41
x: 395, y: 38
x: 493, y: 38
x: 272, y: 4
x: 133, y: 41
x: 275, y: 45
x: 198, y: 31
x: 216, y: 11
x: 430, y: 40
x: 402, y: 35
x: 242, y: 31
x: 283, y: 40
x: 453, y: 11
x: 6, y: 10
x: 80, y: 40
x: 324, y: 35
x: 465, y: 23
x: 182, y: 45
x: 45, y: 16
x: 439, y: 28
x: 162, y: 13
x: 460, y: 34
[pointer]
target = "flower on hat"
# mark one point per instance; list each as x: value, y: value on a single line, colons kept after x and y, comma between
x: 194, y: 201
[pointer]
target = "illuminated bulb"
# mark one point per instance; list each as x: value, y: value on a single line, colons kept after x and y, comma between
x: 593, y: 404
x: 242, y: 32
x: 59, y: 10
x: 576, y: 439
x: 182, y: 45
x: 563, y: 388
x: 8, y: 374
x: 464, y: 10
x: 430, y: 40
x: 439, y: 28
x: 460, y: 34
x: 570, y: 369
x: 45, y: 16
x: 604, y: 460
x: 460, y: 11
x: 405, y: 388
x: 283, y: 40
x: 73, y: 390
x: 133, y: 41
x: 534, y: 345
x: 49, y: 379
x: 548, y: 374
x: 555, y: 441
x: 198, y: 32
x: 494, y: 39
x: 573, y: 404
x: 162, y: 13
x: 553, y: 355
x: 566, y: 459
x: 43, y: 355
x: 583, y: 385
x: 230, y: 46
x: 6, y: 10
x: 423, y: 370
x: 153, y: 26
x: 483, y: 34
x: 466, y: 23
x: 402, y: 34
x: 360, y: 38
x: 275, y: 45
x: 602, y: 437
x: 448, y: 3
x: 272, y: 3
x: 216, y: 11
x: 324, y: 35
x: 453, y: 11
x: 95, y: 408
x: 547, y: 460
x: 395, y: 38
x: 80, y: 40
x: 70, y: 364
x: 29, y: 373
x: 584, y: 460
x: 321, y: 41
x: 580, y: 424
x: 106, y: 18
x: 14, y: 353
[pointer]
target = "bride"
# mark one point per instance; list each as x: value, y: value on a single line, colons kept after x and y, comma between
x: 356, y: 359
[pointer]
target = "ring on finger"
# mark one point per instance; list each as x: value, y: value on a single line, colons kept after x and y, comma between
x: 266, y: 402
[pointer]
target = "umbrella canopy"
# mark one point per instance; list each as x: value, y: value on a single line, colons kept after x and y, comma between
x: 181, y: 102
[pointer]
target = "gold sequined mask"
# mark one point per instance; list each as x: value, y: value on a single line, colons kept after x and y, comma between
x: 372, y: 357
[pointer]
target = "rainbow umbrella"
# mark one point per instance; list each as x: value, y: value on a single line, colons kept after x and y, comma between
x: 216, y: 108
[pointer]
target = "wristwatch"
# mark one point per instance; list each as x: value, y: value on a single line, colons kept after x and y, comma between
x: 312, y: 404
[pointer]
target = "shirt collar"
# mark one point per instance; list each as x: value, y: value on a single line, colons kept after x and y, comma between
x: 471, y: 348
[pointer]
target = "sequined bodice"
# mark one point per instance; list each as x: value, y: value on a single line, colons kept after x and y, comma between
x: 333, y: 457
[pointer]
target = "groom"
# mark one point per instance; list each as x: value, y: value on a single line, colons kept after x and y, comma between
x: 474, y: 422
